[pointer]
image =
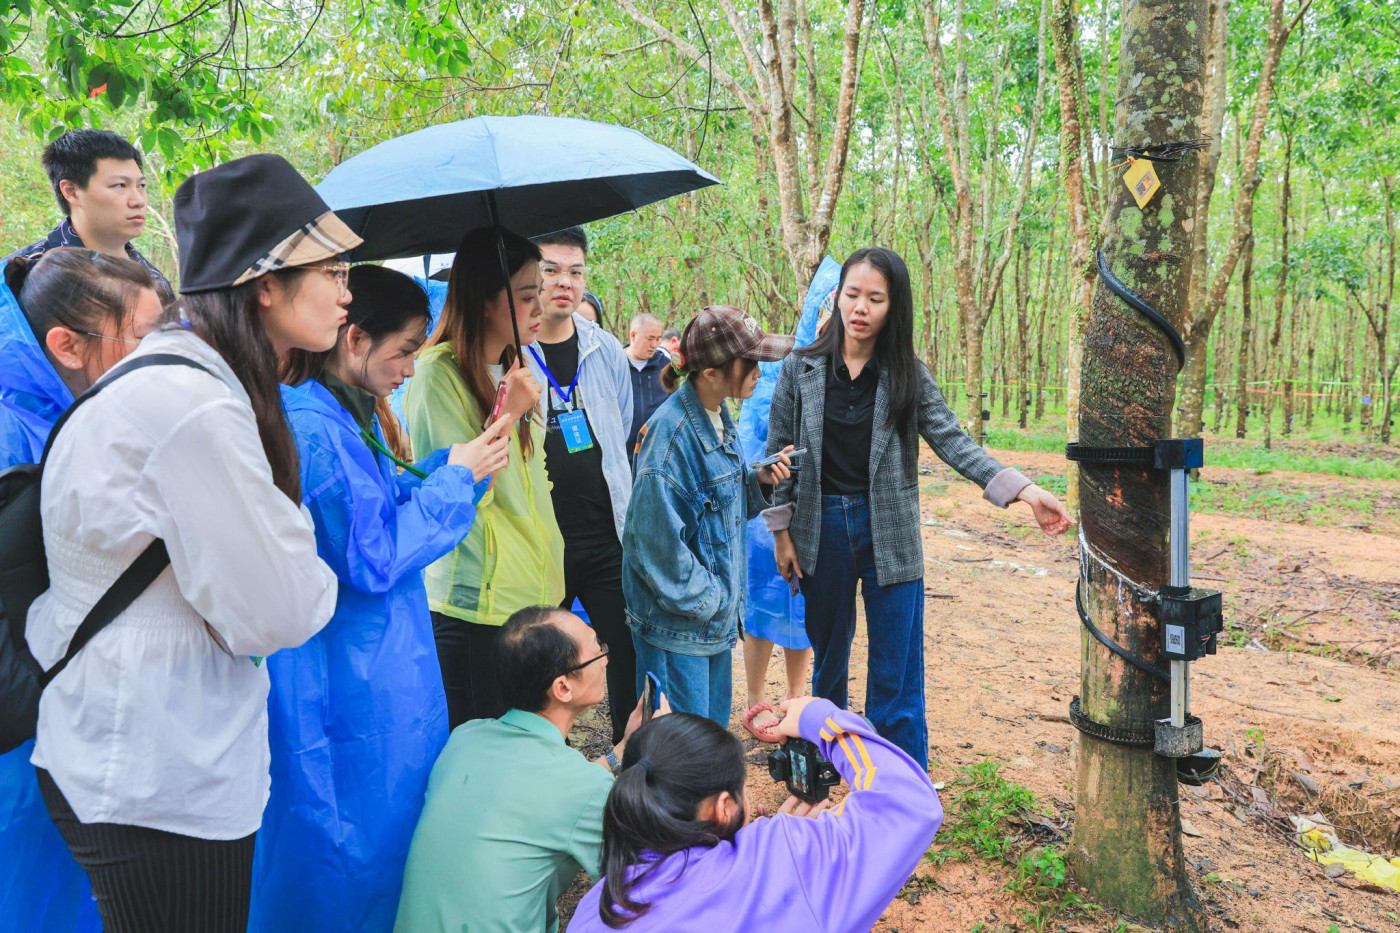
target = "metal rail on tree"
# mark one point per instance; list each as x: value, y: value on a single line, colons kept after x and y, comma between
x: 1191, y: 619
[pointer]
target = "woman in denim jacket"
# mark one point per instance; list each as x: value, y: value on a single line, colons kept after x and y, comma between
x: 685, y: 555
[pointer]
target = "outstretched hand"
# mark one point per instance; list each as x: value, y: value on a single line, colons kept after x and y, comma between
x: 1049, y: 511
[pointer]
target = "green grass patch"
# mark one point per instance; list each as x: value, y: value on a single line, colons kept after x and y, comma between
x: 978, y: 813
x: 1045, y: 440
x: 980, y: 809
x: 1242, y: 455
x: 1057, y: 483
x: 1041, y: 877
x: 1282, y: 503
x: 1246, y: 456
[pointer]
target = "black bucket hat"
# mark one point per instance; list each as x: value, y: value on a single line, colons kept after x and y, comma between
x: 249, y: 217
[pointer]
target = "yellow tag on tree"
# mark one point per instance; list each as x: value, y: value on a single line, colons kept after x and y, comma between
x: 1141, y: 179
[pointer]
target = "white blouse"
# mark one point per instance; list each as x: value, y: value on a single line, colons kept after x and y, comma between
x: 161, y: 720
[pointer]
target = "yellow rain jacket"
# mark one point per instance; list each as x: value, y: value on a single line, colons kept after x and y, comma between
x: 514, y: 556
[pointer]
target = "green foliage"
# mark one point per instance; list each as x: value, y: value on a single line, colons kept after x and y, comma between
x: 977, y: 816
x: 196, y: 82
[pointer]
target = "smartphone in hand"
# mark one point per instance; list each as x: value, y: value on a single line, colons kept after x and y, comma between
x: 498, y: 405
x: 776, y: 458
x: 651, y: 697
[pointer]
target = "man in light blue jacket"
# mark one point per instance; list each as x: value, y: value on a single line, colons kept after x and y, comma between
x: 587, y: 386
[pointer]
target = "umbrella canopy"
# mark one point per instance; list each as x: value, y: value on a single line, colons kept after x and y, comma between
x: 419, y: 193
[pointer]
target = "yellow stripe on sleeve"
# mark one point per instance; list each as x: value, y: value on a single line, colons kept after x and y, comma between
x: 870, y: 768
x: 855, y: 762
x: 860, y: 759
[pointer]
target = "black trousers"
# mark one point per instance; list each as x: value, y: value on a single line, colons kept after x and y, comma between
x: 467, y: 655
x: 150, y: 881
x: 593, y: 574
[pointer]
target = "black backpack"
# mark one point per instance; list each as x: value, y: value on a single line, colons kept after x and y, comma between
x: 24, y: 575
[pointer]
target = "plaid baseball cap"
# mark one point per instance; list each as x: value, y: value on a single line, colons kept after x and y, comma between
x: 721, y: 333
x: 251, y: 216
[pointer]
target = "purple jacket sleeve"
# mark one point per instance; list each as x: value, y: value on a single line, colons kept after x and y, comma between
x: 852, y: 860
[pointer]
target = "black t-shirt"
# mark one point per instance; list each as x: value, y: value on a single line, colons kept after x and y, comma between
x: 582, y: 501
x: 846, y: 429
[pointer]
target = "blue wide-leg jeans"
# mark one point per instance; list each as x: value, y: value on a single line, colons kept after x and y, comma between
x: 894, y: 620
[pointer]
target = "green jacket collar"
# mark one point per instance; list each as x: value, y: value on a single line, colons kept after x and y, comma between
x: 533, y: 722
x: 357, y: 401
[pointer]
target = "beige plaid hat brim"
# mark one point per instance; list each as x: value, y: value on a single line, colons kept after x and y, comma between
x: 326, y: 237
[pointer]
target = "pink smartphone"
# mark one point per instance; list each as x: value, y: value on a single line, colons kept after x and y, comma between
x: 498, y: 405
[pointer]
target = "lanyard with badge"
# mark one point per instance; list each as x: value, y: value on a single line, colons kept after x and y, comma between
x: 572, y: 424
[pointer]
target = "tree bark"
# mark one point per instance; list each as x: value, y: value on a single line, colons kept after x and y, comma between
x: 1126, y: 848
x: 1246, y: 336
x: 1289, y: 383
x: 805, y: 210
x: 1217, y: 371
x: 1042, y: 314
x: 1074, y: 146
x: 1379, y: 315
x: 1023, y: 352
x: 1349, y: 370
x: 1280, y: 293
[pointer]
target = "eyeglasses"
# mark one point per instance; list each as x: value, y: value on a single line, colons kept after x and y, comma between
x: 129, y: 341
x: 576, y: 273
x: 339, y: 271
x: 602, y: 653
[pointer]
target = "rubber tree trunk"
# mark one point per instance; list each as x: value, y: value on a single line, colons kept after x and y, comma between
x: 1126, y: 848
x: 977, y: 400
x: 1246, y: 335
x: 1190, y: 420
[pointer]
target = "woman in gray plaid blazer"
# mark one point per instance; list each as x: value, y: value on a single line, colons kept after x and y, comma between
x: 859, y: 399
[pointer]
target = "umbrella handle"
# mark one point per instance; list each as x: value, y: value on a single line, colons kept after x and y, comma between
x: 505, y: 270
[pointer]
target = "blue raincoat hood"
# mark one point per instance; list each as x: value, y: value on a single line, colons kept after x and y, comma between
x: 773, y: 612
x: 32, y: 396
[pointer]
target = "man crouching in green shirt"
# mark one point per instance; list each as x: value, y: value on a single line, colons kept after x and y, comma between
x: 512, y: 813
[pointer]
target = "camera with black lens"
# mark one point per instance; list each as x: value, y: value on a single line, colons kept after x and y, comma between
x: 808, y: 775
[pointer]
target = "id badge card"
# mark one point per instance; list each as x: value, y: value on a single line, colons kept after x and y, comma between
x: 573, y: 425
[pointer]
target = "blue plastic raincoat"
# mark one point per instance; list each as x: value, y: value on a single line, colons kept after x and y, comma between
x: 773, y: 612
x: 357, y: 715
x: 42, y: 889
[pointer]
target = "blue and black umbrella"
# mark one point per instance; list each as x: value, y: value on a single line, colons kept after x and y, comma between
x: 421, y: 192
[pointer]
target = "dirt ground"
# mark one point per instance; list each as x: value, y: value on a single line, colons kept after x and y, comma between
x: 1304, y: 699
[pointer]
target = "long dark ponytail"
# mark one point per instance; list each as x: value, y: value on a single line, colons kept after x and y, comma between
x: 894, y: 347
x: 230, y: 321
x: 671, y: 765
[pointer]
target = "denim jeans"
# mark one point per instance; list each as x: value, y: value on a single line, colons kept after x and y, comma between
x: 894, y: 620
x: 692, y: 684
